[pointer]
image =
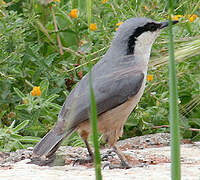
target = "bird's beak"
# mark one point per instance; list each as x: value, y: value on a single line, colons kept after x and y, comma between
x: 166, y: 23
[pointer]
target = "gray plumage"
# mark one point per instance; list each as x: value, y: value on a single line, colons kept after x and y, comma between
x: 117, y: 77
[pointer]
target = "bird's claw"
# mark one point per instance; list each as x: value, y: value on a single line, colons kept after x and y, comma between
x: 116, y: 166
x: 105, y: 156
x: 43, y: 162
x: 83, y: 161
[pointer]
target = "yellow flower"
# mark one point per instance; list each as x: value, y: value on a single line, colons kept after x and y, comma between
x: 93, y: 27
x: 104, y: 1
x: 192, y: 18
x: 146, y: 8
x: 176, y: 17
x: 3, y: 2
x: 36, y: 91
x: 57, y: 1
x: 73, y: 13
x: 149, y: 77
x: 119, y: 23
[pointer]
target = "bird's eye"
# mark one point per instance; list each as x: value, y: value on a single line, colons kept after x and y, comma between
x: 152, y: 27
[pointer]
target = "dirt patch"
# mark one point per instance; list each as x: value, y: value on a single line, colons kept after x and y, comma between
x: 67, y: 155
x: 148, y: 155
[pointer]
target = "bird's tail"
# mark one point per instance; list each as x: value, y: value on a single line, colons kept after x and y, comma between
x: 50, y: 143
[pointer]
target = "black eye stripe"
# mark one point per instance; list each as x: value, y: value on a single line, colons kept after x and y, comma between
x: 151, y: 26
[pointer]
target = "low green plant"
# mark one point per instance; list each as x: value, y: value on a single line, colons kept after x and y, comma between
x: 30, y: 55
x: 38, y: 108
x: 11, y: 140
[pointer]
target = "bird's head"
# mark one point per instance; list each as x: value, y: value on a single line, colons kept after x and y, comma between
x: 138, y: 33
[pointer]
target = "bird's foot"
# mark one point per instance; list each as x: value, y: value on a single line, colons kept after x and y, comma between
x: 83, y: 161
x: 123, y: 165
x: 43, y: 162
x: 117, y: 166
x: 105, y: 156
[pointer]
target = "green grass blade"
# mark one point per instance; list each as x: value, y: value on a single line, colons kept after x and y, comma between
x: 174, y: 120
x: 93, y: 117
x: 97, y: 157
x: 89, y: 11
x: 82, y: 4
x: 29, y: 139
x: 74, y: 4
x: 20, y: 126
x: 19, y: 93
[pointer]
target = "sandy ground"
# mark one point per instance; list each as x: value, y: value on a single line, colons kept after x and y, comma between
x: 148, y: 155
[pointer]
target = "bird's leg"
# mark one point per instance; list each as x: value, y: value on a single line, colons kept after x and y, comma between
x: 121, y: 156
x: 123, y: 165
x: 91, y: 155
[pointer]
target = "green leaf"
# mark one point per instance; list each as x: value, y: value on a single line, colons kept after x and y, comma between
x: 196, y: 138
x: 52, y: 97
x: 69, y: 38
x: 188, y: 26
x: 196, y: 121
x: 22, y: 106
x: 16, y: 136
x: 30, y: 139
x: 62, y: 18
x: 1, y: 115
x: 12, y: 125
x: 20, y: 126
x: 19, y: 145
x: 62, y: 21
x: 56, y: 106
x: 44, y: 86
x: 19, y: 93
x: 49, y: 59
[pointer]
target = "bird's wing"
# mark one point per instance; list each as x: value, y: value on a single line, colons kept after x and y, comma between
x: 110, y: 89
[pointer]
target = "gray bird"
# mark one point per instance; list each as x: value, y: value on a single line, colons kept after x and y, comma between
x: 118, y: 81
